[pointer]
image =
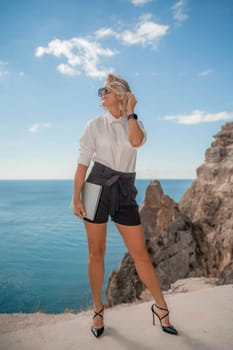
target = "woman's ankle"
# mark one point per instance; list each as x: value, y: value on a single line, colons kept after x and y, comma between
x: 98, y: 306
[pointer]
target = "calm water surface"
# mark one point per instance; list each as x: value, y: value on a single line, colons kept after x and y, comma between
x: 43, y: 250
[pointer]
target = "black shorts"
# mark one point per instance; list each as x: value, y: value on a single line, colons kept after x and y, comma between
x: 118, y: 197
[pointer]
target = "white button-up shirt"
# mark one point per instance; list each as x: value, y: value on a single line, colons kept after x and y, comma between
x: 105, y: 140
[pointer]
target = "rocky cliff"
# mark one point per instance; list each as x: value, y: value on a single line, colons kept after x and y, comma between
x: 192, y: 238
x: 209, y: 202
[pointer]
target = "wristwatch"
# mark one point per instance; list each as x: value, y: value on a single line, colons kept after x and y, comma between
x: 132, y: 116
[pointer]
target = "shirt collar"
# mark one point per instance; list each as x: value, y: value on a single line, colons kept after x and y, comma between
x: 111, y: 119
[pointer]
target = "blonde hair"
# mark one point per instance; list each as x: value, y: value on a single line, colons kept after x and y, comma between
x: 120, y: 87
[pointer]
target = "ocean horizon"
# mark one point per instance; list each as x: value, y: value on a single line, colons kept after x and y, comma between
x: 43, y: 251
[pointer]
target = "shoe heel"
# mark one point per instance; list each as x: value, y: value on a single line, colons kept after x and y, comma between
x: 153, y: 318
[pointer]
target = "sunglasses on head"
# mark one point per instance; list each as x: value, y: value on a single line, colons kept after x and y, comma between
x: 104, y: 90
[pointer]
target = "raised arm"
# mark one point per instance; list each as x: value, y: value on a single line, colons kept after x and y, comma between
x: 135, y: 133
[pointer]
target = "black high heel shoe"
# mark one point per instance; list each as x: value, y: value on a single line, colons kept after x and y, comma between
x: 97, y: 331
x: 168, y: 329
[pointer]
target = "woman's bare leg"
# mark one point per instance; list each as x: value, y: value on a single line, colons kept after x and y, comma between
x: 96, y: 237
x: 133, y: 237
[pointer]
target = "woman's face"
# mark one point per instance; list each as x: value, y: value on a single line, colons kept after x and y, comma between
x: 109, y: 99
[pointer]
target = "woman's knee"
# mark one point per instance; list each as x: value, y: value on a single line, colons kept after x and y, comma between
x: 96, y: 253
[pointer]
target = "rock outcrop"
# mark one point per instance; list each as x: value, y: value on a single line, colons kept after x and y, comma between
x: 209, y: 202
x: 170, y: 238
x: 189, y: 239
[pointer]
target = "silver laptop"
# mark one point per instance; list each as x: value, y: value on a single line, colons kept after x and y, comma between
x: 90, y: 197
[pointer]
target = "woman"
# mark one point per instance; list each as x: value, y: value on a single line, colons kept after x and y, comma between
x: 111, y: 141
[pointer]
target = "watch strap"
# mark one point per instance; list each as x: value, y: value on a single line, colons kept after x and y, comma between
x: 132, y: 116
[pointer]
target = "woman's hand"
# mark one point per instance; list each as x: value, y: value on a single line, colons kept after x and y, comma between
x: 131, y: 103
x: 79, y: 209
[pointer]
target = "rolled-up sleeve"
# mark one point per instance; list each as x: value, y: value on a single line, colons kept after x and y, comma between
x: 86, y: 145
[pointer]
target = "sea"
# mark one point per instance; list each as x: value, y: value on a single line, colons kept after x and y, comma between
x: 43, y: 248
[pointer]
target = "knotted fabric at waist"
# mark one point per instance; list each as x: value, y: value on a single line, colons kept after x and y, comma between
x: 117, y: 184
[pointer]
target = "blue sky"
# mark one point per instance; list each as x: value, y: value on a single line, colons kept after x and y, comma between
x: 176, y: 55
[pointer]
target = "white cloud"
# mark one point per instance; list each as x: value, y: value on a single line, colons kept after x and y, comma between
x: 104, y: 32
x: 3, y: 70
x: 179, y: 11
x: 145, y: 33
x: 139, y: 2
x: 85, y: 55
x: 68, y: 70
x: 205, y: 73
x: 197, y: 117
x: 81, y: 54
x: 37, y: 127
